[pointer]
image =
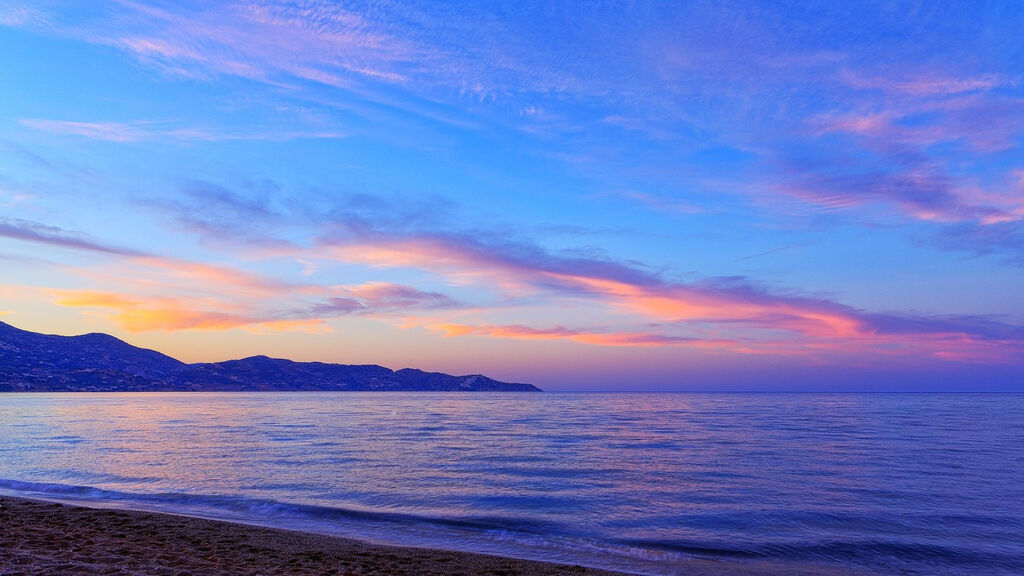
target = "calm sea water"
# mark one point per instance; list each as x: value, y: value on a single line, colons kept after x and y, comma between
x: 876, y: 483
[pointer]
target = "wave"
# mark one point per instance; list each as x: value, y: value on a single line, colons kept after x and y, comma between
x: 878, y: 553
x: 265, y: 508
x: 528, y: 537
x: 521, y: 537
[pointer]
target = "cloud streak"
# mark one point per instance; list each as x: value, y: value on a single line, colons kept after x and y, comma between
x: 928, y: 154
x: 124, y: 133
x: 756, y: 316
x: 29, y: 231
x: 161, y: 308
x: 741, y: 316
x: 145, y: 314
x: 151, y: 293
x: 591, y: 337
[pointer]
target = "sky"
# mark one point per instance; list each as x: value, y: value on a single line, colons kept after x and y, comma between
x: 722, y: 195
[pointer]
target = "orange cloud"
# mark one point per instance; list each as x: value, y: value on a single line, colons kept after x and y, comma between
x: 90, y: 299
x: 644, y: 295
x: 668, y: 303
x: 755, y: 321
x: 520, y: 332
x: 217, y: 278
x: 144, y: 314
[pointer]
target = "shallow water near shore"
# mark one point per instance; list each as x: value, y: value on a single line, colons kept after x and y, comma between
x: 873, y: 483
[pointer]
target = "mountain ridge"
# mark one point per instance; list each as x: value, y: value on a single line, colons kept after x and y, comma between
x: 98, y: 362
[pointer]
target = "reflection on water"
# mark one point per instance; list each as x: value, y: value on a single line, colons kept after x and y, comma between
x: 921, y: 483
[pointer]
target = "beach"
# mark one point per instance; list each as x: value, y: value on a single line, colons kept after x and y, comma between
x: 657, y: 484
x: 40, y: 537
x: 53, y: 539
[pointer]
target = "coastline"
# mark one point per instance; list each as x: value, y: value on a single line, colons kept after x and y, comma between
x: 56, y: 539
x: 41, y: 537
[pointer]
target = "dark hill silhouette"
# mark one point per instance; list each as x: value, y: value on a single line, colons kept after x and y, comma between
x: 34, y: 362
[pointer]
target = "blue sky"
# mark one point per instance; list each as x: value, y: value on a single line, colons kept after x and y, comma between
x: 684, y: 195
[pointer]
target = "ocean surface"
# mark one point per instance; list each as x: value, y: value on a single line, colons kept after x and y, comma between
x: 872, y: 483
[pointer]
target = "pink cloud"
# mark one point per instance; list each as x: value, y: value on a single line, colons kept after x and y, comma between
x: 319, y: 42
x: 985, y: 123
x: 762, y: 321
x: 926, y: 84
x: 520, y: 332
x: 912, y: 156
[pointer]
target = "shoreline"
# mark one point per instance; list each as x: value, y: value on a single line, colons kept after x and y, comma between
x: 53, y: 538
x: 45, y: 537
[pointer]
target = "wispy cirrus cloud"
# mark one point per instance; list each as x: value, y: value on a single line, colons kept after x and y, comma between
x: 29, y: 231
x: 263, y: 41
x: 592, y: 337
x: 1001, y: 239
x: 983, y: 123
x: 20, y: 16
x: 124, y: 132
x: 930, y: 84
x: 920, y: 158
x: 109, y: 131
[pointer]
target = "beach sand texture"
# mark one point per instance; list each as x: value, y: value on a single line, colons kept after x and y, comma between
x: 53, y: 539
x: 46, y: 538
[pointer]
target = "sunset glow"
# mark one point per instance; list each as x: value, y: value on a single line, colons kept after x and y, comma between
x: 688, y: 194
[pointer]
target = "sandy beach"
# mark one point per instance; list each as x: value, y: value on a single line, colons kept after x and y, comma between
x: 54, y: 539
x: 46, y: 538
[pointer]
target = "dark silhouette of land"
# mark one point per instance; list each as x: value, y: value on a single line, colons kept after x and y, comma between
x: 33, y: 362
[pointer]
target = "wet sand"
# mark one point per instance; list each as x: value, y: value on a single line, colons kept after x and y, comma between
x: 44, y: 538
x: 54, y: 539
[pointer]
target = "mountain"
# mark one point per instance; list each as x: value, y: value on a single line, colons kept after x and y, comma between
x: 33, y: 362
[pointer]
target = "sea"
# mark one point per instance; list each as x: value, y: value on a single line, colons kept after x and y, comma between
x: 643, y: 483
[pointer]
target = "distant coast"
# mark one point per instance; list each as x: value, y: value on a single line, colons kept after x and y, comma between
x: 34, y: 362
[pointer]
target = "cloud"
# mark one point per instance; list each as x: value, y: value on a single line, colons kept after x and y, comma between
x: 273, y: 307
x: 253, y: 214
x: 839, y: 131
x: 761, y: 319
x: 145, y: 131
x: 165, y: 293
x: 381, y: 298
x: 741, y: 315
x: 144, y: 314
x: 922, y: 192
x: 388, y: 296
x: 20, y: 16
x: 653, y: 202
x: 109, y: 131
x: 147, y: 267
x: 931, y: 84
x: 985, y: 123
x: 317, y: 42
x: 922, y: 159
x: 596, y: 338
x: 29, y: 231
x: 1004, y: 239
